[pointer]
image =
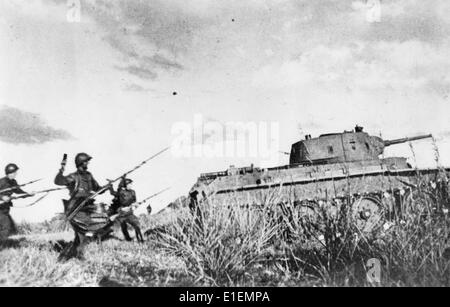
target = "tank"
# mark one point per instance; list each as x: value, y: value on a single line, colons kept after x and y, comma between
x: 336, y: 168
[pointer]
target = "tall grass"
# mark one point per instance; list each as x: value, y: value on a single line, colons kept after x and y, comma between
x: 34, y: 263
x: 219, y: 243
x: 278, y: 243
x: 412, y: 247
x: 281, y: 244
x: 55, y: 225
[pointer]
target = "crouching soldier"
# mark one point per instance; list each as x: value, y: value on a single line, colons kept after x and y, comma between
x: 8, y: 187
x: 122, y: 203
x: 90, y: 221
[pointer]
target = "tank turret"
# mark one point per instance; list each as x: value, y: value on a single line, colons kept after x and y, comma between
x: 349, y: 146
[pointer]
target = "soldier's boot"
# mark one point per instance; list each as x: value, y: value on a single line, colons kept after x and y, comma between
x: 72, y: 250
x: 125, y: 233
x: 83, y: 241
x: 134, y: 222
x: 139, y: 236
x: 66, y: 252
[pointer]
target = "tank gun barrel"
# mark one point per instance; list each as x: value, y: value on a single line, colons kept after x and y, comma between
x: 408, y: 139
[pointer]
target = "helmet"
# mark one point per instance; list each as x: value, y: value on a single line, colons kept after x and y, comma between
x: 11, y: 168
x: 125, y: 182
x: 81, y: 158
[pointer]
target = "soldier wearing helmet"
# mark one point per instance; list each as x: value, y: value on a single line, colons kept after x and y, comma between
x: 8, y: 183
x: 124, y: 197
x: 89, y: 221
x: 81, y: 183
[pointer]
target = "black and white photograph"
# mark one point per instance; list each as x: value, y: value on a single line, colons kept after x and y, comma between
x: 224, y: 149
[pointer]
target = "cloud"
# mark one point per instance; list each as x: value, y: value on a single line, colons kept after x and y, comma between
x: 410, y: 65
x: 21, y: 127
x: 142, y: 32
x: 147, y: 67
x: 330, y: 22
x: 315, y: 39
x: 162, y: 62
x: 139, y: 72
x: 146, y: 34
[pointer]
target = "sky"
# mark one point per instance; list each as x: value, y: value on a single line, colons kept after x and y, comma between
x: 122, y: 80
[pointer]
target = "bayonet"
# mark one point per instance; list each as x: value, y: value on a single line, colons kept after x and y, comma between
x: 137, y: 205
x: 32, y: 195
x: 33, y: 203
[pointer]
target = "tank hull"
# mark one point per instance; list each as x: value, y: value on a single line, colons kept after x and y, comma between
x: 329, y: 187
x: 294, y: 183
x: 374, y: 188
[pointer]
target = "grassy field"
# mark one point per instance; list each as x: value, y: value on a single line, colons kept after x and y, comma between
x: 229, y: 245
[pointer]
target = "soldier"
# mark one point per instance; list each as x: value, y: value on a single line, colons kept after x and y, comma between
x: 89, y: 221
x: 8, y: 183
x: 195, y: 208
x: 124, y: 197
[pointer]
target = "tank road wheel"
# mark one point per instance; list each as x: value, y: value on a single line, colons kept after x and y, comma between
x: 367, y: 214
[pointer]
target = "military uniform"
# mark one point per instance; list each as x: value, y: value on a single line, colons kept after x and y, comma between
x: 81, y: 185
x: 89, y: 220
x: 124, y: 198
x: 7, y: 225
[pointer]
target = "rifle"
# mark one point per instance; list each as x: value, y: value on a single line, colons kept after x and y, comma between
x: 110, y: 182
x: 34, y: 194
x: 33, y: 203
x: 19, y: 186
x: 137, y: 205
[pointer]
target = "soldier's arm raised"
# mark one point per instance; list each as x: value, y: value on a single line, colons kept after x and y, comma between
x: 60, y: 179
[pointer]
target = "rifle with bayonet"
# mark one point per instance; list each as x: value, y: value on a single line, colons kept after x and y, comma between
x: 31, y: 195
x: 136, y: 205
x: 19, y: 186
x: 110, y: 183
